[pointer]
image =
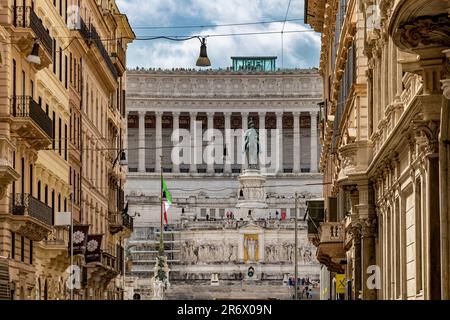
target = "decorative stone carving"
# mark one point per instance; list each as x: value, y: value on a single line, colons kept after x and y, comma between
x: 446, y: 88
x: 369, y: 227
x: 355, y: 230
x: 428, y: 133
x: 425, y: 31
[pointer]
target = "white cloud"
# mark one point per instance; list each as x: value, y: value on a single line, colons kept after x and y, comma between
x: 300, y: 49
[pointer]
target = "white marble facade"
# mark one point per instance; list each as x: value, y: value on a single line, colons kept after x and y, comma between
x: 159, y: 102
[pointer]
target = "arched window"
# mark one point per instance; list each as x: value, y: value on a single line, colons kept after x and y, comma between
x: 45, y: 290
x: 39, y: 190
x: 46, y: 194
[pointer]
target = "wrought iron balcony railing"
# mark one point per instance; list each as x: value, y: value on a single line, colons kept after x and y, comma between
x: 97, y: 40
x: 118, y: 220
x: 127, y: 221
x: 25, y: 17
x: 84, y: 30
x: 24, y: 204
x: 26, y: 107
x: 109, y: 260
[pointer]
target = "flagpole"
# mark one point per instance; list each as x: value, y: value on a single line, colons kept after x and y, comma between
x: 296, y: 249
x: 161, y: 233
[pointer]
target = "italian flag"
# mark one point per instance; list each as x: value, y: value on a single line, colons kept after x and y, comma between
x: 167, y: 200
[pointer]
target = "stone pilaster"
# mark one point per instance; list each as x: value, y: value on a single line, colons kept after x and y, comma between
x: 314, y: 141
x: 193, y: 165
x: 176, y: 127
x: 141, y: 142
x: 297, y: 138
x: 210, y: 165
x: 279, y: 142
x: 158, y: 146
x: 228, y: 142
x: 244, y: 117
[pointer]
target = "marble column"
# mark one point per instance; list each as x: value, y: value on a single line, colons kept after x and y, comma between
x: 279, y: 155
x: 210, y: 124
x: 444, y: 172
x: 313, y: 141
x: 141, y: 142
x: 262, y: 139
x: 158, y: 146
x: 244, y: 116
x: 193, y: 165
x: 296, y: 149
x: 176, y: 127
x: 368, y: 222
x: 228, y: 142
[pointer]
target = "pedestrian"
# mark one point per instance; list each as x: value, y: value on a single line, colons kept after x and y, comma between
x: 276, y: 215
x: 207, y: 217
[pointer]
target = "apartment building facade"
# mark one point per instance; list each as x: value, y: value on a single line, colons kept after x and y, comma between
x: 61, y: 129
x: 384, y: 131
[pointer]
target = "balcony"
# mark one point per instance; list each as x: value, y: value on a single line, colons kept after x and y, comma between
x: 95, y: 37
x: 7, y: 172
x: 33, y: 218
x: 118, y: 58
x: 28, y: 28
x: 54, y: 249
x: 331, y: 246
x: 84, y: 30
x: 31, y: 122
x: 119, y: 222
x: 102, y: 272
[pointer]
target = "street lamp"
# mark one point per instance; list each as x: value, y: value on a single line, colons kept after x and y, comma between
x: 203, y: 60
x: 123, y: 159
x: 33, y: 57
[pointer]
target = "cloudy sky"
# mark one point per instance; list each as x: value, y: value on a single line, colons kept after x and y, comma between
x: 301, y: 50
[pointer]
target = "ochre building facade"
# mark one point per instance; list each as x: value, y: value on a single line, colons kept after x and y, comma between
x: 385, y: 131
x: 61, y: 128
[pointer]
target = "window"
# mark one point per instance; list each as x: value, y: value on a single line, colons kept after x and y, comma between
x: 14, y: 77
x: 54, y: 131
x: 203, y: 212
x: 65, y: 71
x: 212, y: 213
x: 31, y: 251
x: 65, y: 204
x: 60, y: 64
x: 39, y: 190
x: 59, y: 202
x: 418, y: 226
x: 46, y: 109
x: 22, y: 249
x: 13, y: 245
x: 31, y: 179
x: 65, y: 12
x: 46, y: 194
x: 70, y: 68
x: 54, y: 56
x: 60, y: 136
x: 22, y: 167
x: 31, y: 89
x: 65, y: 142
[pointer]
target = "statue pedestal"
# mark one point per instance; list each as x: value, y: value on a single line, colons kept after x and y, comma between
x: 252, y: 196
